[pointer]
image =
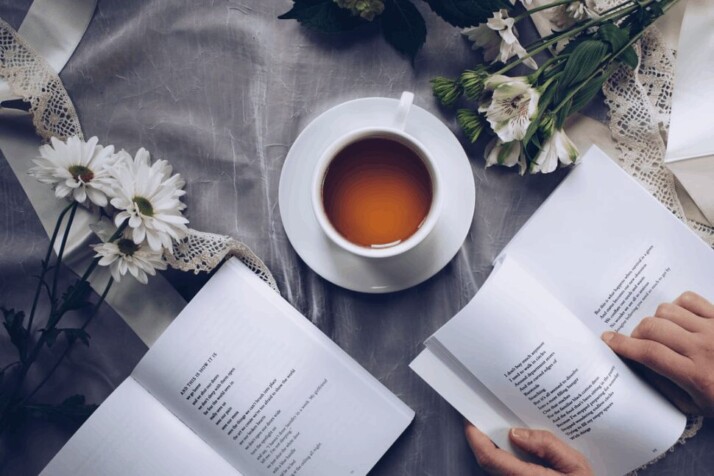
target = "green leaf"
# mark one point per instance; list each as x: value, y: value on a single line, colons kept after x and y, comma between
x: 629, y: 57
x: 403, y: 27
x: 50, y: 336
x: 463, y: 13
x: 73, y: 409
x: 644, y: 16
x: 583, y: 97
x: 563, y: 114
x: 615, y: 37
x: 14, y: 323
x: 323, y: 15
x: 76, y: 296
x: 545, y: 100
x: 74, y: 334
x: 584, y: 60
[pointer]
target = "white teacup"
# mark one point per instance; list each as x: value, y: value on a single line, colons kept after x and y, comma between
x: 397, y: 134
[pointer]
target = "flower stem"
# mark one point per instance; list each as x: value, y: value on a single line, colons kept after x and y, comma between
x: 71, y: 343
x: 11, y: 364
x: 45, y: 265
x: 60, y: 254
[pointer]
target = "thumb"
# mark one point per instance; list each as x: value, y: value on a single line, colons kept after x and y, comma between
x: 547, y: 447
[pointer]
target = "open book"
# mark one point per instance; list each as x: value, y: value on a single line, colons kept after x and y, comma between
x: 240, y: 383
x: 600, y: 254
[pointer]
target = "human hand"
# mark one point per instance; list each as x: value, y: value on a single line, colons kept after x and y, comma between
x: 677, y: 343
x: 561, y: 458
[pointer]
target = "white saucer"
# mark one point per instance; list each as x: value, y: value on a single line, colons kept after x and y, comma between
x: 371, y: 275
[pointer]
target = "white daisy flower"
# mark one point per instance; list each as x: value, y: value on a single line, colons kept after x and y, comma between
x: 148, y: 196
x: 125, y: 256
x: 76, y: 169
x: 498, y: 38
x: 512, y: 106
x: 507, y: 155
x: 558, y: 148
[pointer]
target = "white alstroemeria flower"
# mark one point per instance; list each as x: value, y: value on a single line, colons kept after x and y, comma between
x: 76, y: 169
x: 558, y: 148
x: 498, y: 38
x: 507, y: 155
x: 483, y: 37
x: 125, y: 256
x: 582, y: 10
x: 565, y: 16
x: 148, y: 197
x: 510, y: 46
x: 512, y: 106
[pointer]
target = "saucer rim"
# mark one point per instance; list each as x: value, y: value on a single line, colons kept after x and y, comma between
x: 349, y: 281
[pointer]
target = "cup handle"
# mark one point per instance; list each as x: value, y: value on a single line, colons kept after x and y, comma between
x: 405, y: 104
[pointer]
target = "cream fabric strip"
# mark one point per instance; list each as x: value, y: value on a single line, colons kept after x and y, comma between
x: 53, y: 28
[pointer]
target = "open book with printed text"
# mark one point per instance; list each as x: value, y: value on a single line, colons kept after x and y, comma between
x: 239, y: 384
x: 599, y: 255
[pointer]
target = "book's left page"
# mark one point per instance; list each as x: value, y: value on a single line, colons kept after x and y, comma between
x: 265, y: 388
x: 132, y: 433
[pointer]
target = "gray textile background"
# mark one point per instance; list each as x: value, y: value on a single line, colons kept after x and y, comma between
x: 221, y: 89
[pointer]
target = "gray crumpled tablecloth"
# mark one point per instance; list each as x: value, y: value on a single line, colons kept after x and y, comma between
x: 221, y: 89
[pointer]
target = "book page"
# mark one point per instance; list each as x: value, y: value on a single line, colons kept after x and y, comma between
x: 467, y: 395
x: 132, y: 433
x: 610, y: 251
x: 265, y: 388
x: 553, y: 373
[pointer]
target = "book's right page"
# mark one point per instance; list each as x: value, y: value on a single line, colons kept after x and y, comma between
x: 547, y: 367
x: 608, y: 250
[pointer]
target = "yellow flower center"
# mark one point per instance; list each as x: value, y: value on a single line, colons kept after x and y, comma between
x: 81, y: 173
x: 144, y: 206
x: 127, y: 247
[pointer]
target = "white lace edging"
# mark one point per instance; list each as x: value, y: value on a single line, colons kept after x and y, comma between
x: 694, y: 424
x: 201, y: 251
x: 640, y: 103
x: 31, y: 78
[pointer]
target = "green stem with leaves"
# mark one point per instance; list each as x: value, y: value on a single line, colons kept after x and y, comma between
x: 56, y: 314
x: 71, y: 342
x: 572, y: 33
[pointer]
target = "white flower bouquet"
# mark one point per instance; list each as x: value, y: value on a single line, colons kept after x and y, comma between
x: 140, y: 218
x: 524, y: 115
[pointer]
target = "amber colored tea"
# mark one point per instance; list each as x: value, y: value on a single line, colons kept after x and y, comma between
x: 377, y: 192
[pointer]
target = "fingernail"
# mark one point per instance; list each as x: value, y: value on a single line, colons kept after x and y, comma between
x: 607, y: 336
x: 519, y: 433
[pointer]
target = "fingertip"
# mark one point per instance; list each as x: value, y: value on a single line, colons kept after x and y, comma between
x: 608, y: 336
x: 519, y: 434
